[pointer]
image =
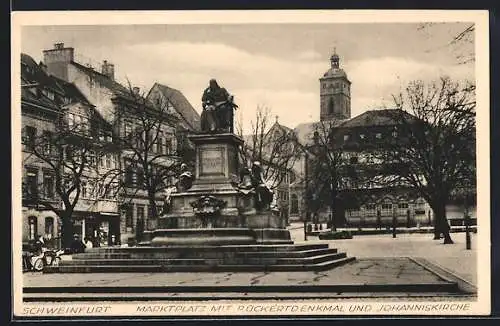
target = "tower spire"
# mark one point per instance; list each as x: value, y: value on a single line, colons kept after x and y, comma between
x: 334, y: 59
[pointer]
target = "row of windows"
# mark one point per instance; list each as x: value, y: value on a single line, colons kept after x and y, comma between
x: 387, y: 208
x: 163, y: 144
x: 378, y: 135
x: 33, y: 227
x: 128, y: 211
x: 32, y: 187
x: 90, y: 189
x: 335, y: 85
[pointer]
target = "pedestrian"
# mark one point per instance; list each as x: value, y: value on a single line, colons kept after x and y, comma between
x: 77, y: 246
x: 88, y: 243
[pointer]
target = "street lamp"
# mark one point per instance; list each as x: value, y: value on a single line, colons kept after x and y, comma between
x: 467, y: 223
x: 394, y: 222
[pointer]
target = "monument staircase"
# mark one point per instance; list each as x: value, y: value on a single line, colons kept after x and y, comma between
x: 223, y: 258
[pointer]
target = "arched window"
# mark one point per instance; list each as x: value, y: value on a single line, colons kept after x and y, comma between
x: 49, y: 227
x: 294, y: 206
x: 32, y: 227
x: 330, y: 106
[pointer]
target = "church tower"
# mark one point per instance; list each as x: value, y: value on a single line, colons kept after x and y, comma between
x: 335, y: 92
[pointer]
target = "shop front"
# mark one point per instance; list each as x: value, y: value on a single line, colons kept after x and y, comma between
x: 103, y: 230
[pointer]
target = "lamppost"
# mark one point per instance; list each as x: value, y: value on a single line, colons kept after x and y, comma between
x: 394, y: 222
x: 467, y: 223
x: 306, y: 201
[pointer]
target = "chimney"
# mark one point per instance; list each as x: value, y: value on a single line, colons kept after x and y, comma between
x: 136, y: 90
x: 108, y: 69
x: 57, y: 60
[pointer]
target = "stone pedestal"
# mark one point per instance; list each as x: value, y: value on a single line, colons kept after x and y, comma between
x: 237, y: 222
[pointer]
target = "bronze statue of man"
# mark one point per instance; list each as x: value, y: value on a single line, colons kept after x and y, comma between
x: 218, y: 108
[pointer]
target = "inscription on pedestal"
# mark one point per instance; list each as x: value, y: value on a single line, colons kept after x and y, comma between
x: 211, y: 162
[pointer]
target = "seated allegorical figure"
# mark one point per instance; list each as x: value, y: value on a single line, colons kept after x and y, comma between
x: 185, y: 178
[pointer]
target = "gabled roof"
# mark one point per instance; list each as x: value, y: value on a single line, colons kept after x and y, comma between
x: 106, y: 82
x: 37, y: 74
x: 71, y: 91
x: 181, y: 105
x: 305, y: 131
x: 383, y: 117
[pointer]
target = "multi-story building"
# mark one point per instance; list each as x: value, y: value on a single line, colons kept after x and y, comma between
x: 115, y: 103
x: 369, y: 199
x: 39, y: 110
x: 53, y: 111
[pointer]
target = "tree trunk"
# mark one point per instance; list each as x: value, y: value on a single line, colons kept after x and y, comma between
x: 66, y: 229
x: 441, y: 223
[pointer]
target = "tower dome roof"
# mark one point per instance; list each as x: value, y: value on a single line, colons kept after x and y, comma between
x: 335, y: 72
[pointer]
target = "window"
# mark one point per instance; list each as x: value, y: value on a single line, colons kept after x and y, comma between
x: 370, y: 207
x: 294, y: 205
x: 127, y: 128
x: 108, y: 161
x: 403, y: 208
x: 346, y: 137
x: 71, y: 120
x: 129, y: 216
x: 32, y: 227
x: 32, y: 183
x: 168, y: 145
x: 386, y: 209
x: 353, y: 160
x: 378, y: 135
x: 30, y: 136
x: 48, y: 185
x: 49, y: 227
x: 159, y: 143
x: 362, y: 136
x: 47, y: 142
x: 130, y: 177
x: 92, y: 158
x: 83, y: 189
x: 292, y: 177
x: 394, y: 134
x: 140, y: 212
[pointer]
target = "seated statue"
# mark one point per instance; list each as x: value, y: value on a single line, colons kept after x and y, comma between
x: 218, y: 106
x: 264, y: 195
x: 185, y: 178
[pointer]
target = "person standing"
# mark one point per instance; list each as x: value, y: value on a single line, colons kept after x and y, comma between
x: 88, y: 243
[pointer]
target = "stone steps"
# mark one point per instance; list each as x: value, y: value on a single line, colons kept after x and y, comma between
x: 235, y: 260
x: 68, y: 268
x: 227, y: 258
x: 197, y: 255
x: 225, y: 248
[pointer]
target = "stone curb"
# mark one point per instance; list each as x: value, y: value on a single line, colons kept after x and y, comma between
x: 445, y: 274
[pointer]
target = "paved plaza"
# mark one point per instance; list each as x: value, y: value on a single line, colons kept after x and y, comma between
x: 454, y: 257
x: 385, y: 266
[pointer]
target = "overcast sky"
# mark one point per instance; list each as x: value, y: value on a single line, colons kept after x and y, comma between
x: 274, y: 65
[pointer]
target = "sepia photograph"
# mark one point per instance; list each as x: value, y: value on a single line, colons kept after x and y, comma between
x: 284, y: 163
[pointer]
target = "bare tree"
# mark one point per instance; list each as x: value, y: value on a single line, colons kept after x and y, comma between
x: 331, y: 174
x: 69, y: 154
x: 461, y: 42
x: 436, y: 145
x: 151, y: 146
x: 277, y: 150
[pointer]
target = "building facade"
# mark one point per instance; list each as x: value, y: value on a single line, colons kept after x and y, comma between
x: 114, y: 217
